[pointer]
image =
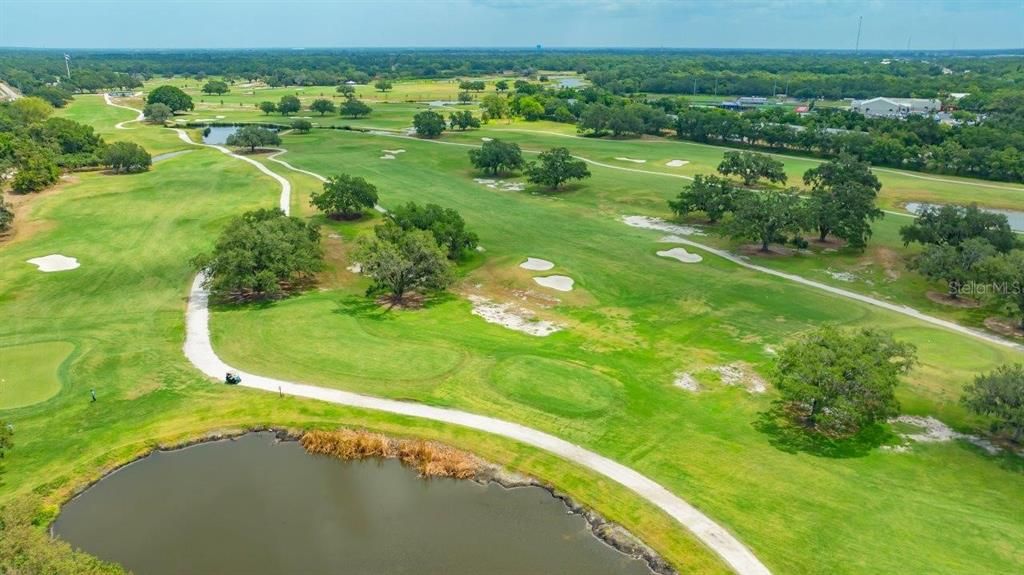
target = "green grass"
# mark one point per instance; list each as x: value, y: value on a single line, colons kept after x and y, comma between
x: 123, y: 310
x: 605, y: 382
x: 36, y: 378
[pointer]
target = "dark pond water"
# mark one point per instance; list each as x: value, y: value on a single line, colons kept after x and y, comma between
x: 1015, y: 218
x: 257, y: 506
x: 219, y: 134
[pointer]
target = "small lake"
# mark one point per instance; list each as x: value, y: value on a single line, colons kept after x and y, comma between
x: 570, y: 82
x: 262, y: 507
x: 1015, y: 218
x: 218, y: 134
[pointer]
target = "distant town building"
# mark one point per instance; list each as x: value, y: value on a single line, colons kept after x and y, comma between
x: 751, y: 101
x: 896, y: 107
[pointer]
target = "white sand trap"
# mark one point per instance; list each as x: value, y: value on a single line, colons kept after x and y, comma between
x: 622, y: 159
x: 537, y: 265
x: 841, y: 276
x: 681, y: 254
x: 676, y: 163
x: 487, y: 139
x: 356, y: 268
x: 202, y: 120
x: 220, y: 117
x: 560, y: 283
x: 388, y: 157
x: 481, y: 249
x: 649, y: 223
x: 54, y: 263
x: 394, y: 152
x: 685, y: 380
x: 512, y: 317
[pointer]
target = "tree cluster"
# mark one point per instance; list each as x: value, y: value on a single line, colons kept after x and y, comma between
x: 34, y: 147
x: 345, y: 197
x: 835, y: 383
x: 966, y: 246
x: 445, y: 224
x: 253, y: 137
x: 262, y: 254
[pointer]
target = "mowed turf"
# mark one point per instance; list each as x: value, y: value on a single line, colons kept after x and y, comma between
x: 123, y: 310
x: 37, y: 376
x: 605, y: 382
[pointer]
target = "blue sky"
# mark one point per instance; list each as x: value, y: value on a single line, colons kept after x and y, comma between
x: 809, y: 24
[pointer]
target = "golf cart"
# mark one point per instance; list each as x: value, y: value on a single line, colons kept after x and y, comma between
x: 232, y: 378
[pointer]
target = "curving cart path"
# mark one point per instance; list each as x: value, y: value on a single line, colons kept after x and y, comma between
x: 120, y: 125
x: 199, y: 351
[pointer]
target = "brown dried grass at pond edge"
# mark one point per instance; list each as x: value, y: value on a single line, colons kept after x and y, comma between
x: 429, y: 458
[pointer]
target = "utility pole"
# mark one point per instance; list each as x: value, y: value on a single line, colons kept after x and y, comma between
x: 860, y: 20
x: 67, y: 65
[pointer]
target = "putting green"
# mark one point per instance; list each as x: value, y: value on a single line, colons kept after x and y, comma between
x: 554, y: 386
x: 36, y: 376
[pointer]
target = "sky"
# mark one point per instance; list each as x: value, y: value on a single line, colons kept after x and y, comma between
x: 771, y: 24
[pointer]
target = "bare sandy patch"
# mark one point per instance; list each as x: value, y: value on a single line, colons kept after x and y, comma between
x: 388, y: 157
x: 502, y: 185
x: 1004, y: 326
x: 841, y: 276
x: 512, y: 317
x: 681, y: 254
x: 773, y: 251
x: 485, y: 139
x: 676, y: 163
x: 54, y: 263
x: 537, y: 265
x: 356, y: 268
x: 560, y: 283
x: 685, y: 380
x: 739, y: 373
x: 394, y: 152
x: 635, y: 161
x: 649, y: 223
x: 934, y: 431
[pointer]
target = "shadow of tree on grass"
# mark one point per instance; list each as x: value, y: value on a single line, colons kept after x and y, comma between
x: 785, y: 435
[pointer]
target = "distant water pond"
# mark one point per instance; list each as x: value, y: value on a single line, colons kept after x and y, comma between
x: 262, y: 507
x: 570, y: 82
x: 218, y: 134
x: 1015, y: 218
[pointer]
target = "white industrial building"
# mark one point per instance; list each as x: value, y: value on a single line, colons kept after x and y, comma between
x: 896, y: 107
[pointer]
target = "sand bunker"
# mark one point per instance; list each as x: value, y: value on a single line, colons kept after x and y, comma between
x: 394, y: 152
x: 537, y: 265
x: 681, y: 254
x: 739, y: 374
x: 54, y: 263
x: 676, y: 163
x: 649, y: 223
x: 485, y: 139
x: 356, y: 268
x: 685, y: 380
x: 501, y: 185
x: 560, y: 283
x: 220, y: 117
x: 513, y: 317
x: 622, y: 159
x: 388, y: 157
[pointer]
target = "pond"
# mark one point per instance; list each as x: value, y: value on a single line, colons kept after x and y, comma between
x: 1015, y: 218
x: 218, y: 134
x: 570, y: 82
x: 258, y: 506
